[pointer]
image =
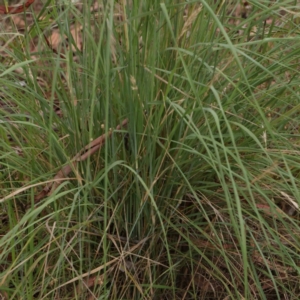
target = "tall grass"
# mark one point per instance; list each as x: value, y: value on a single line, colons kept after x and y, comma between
x: 197, y: 197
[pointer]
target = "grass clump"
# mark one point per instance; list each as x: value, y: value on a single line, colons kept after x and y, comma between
x: 196, y: 196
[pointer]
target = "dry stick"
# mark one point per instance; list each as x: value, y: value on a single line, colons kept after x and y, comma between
x: 82, y: 155
x: 53, y: 49
x: 15, y: 9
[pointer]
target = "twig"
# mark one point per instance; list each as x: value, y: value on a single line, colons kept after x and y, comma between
x: 15, y: 9
x: 82, y: 155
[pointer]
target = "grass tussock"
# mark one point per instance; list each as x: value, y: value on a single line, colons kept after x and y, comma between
x: 195, y: 196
